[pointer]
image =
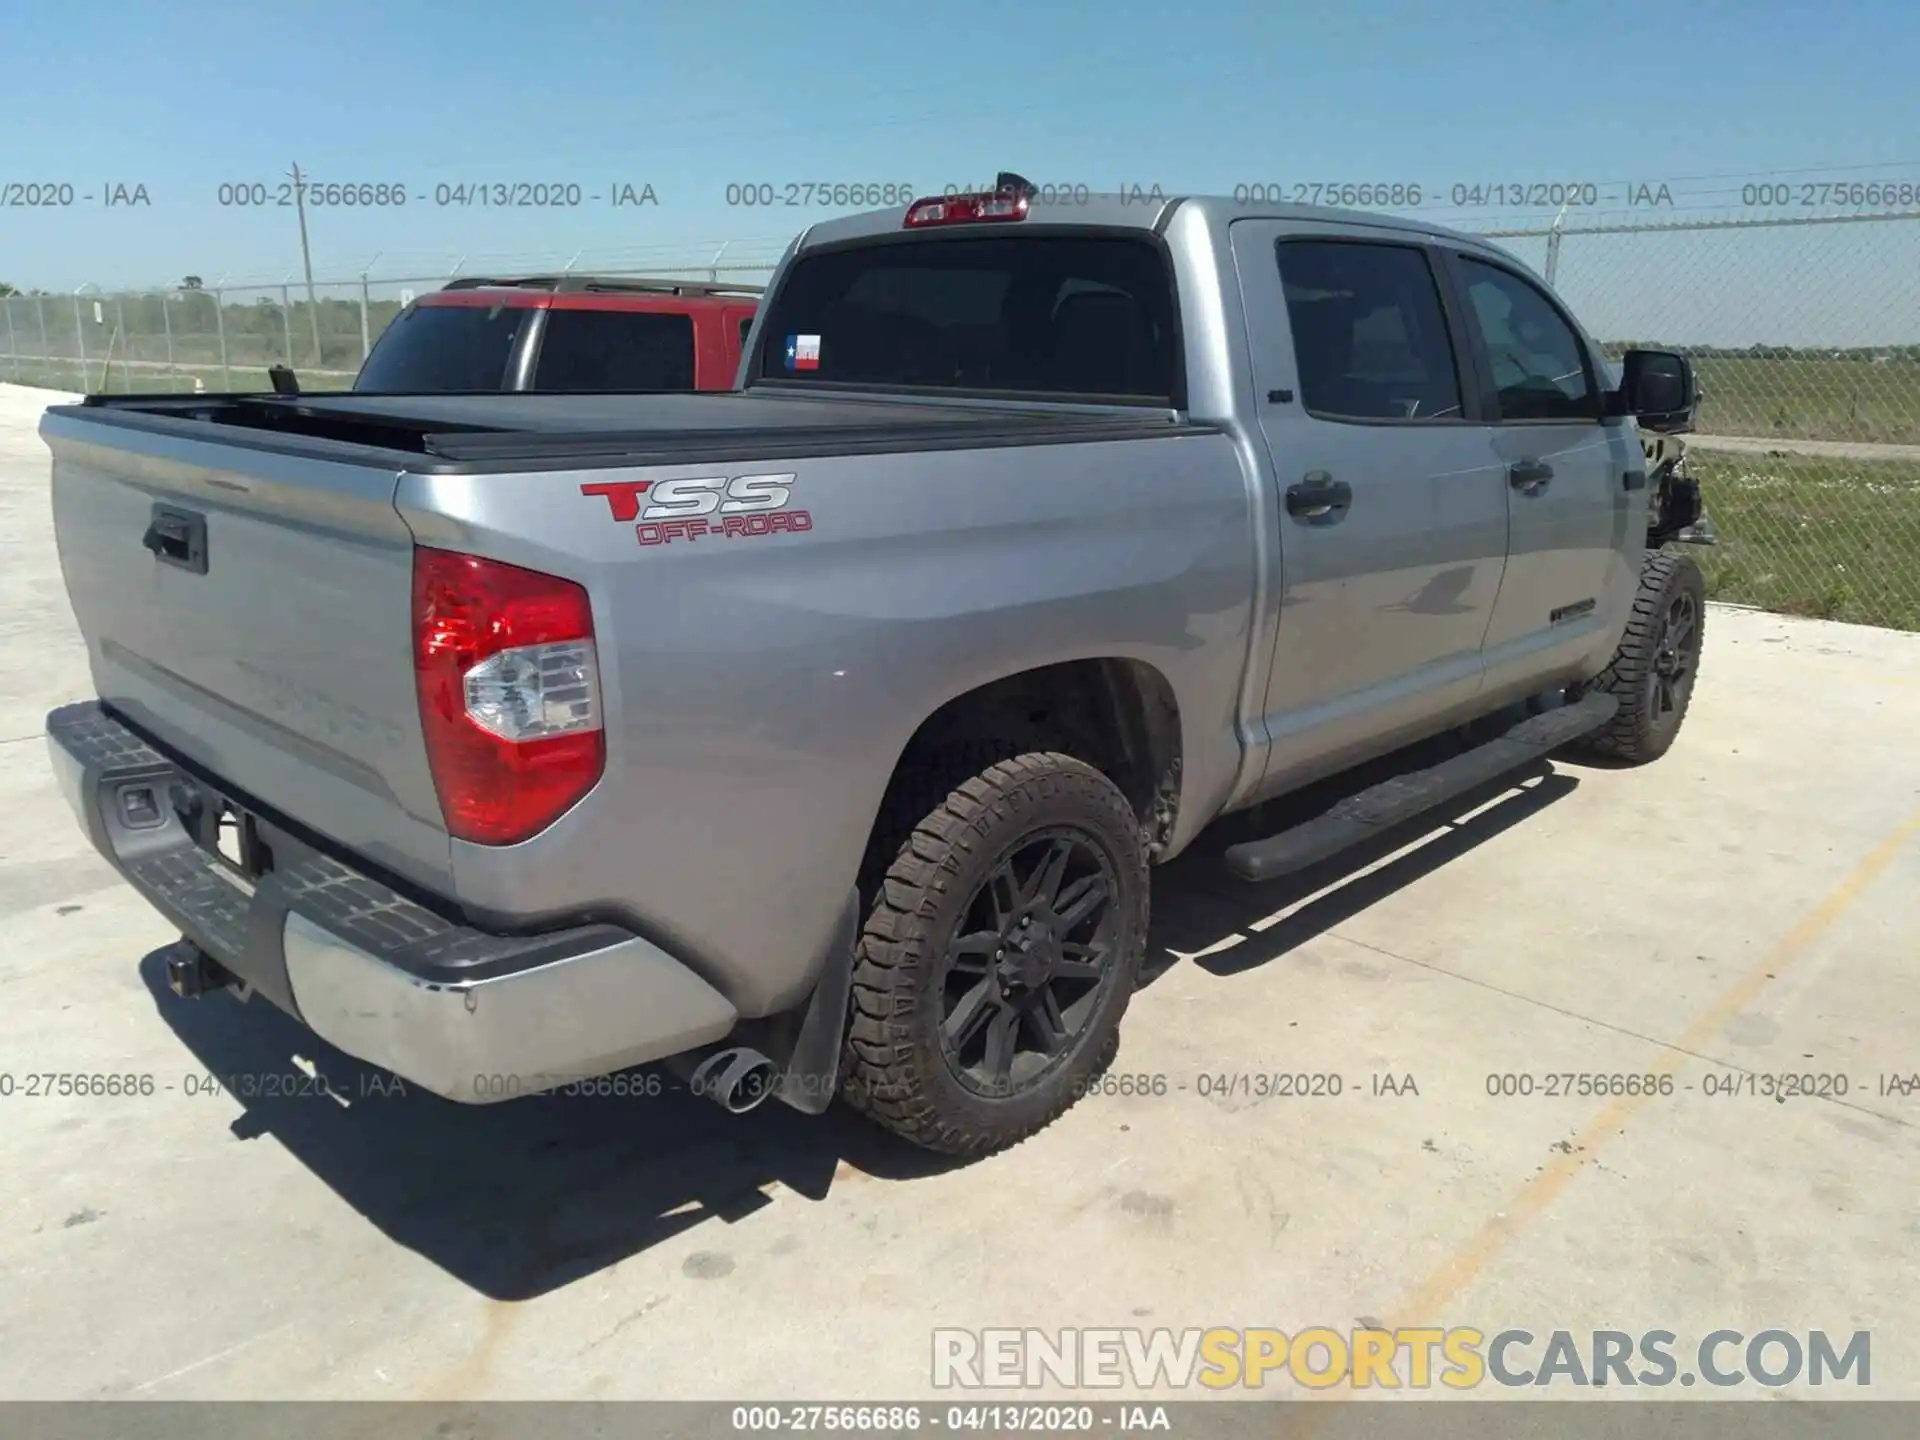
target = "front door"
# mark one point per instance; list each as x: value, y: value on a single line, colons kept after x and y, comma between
x: 1570, y: 504
x: 1393, y: 514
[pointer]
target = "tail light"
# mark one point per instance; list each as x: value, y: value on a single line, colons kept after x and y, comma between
x: 984, y: 208
x: 509, y: 689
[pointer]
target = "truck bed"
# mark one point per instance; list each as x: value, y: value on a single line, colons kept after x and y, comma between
x: 280, y: 662
x: 456, y: 434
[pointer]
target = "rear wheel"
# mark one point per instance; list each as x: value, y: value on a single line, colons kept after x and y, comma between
x: 1653, y: 670
x: 998, y: 957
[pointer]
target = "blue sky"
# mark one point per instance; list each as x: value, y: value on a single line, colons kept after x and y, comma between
x: 1702, y: 95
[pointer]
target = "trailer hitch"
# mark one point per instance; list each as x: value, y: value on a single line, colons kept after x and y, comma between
x: 191, y: 972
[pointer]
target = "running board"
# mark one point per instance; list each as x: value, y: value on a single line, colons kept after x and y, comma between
x: 1379, y: 807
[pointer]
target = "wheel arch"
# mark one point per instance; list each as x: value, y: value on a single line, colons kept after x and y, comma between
x: 1119, y: 715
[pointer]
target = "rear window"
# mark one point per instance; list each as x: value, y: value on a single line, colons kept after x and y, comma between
x: 1049, y: 315
x: 615, y: 350
x: 438, y: 348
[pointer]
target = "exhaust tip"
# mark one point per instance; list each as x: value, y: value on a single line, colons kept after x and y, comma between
x: 736, y: 1080
x: 753, y: 1089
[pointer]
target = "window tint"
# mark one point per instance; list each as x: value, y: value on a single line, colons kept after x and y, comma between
x: 439, y: 348
x: 1539, y: 364
x: 615, y: 350
x: 1368, y: 331
x: 1052, y: 315
x: 745, y: 326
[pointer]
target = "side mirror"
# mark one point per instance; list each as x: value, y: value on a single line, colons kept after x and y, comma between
x: 1658, y: 390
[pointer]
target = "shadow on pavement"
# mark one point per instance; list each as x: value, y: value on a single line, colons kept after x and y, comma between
x: 522, y: 1198
x: 1200, y: 907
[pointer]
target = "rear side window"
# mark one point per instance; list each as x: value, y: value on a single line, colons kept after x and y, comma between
x: 1369, y: 335
x: 1089, y: 317
x: 1539, y: 363
x: 615, y: 350
x: 433, y: 349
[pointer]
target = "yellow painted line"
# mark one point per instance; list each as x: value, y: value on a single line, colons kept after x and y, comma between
x: 1464, y: 1265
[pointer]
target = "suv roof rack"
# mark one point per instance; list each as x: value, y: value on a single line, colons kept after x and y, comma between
x: 575, y: 284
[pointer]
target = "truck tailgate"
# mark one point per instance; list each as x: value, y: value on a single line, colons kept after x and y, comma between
x: 251, y: 611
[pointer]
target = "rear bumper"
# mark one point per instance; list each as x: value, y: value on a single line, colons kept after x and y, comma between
x: 472, y: 1016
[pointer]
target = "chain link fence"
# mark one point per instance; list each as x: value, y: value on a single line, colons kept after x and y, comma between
x: 1805, y: 334
x: 223, y: 337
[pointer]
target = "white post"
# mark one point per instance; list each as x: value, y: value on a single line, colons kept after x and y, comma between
x: 366, y: 338
x: 220, y: 327
x: 126, y: 347
x: 80, y: 337
x: 166, y: 321
x: 1553, y: 245
x: 40, y: 309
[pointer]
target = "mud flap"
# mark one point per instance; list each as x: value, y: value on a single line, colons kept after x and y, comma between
x: 812, y: 1073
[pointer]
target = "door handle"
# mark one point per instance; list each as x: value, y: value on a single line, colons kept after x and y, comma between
x: 1529, y: 476
x: 1319, y: 499
x: 178, y: 537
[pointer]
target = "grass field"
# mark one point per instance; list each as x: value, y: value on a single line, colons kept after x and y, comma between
x: 1836, y: 539
x: 1811, y: 399
x: 1797, y: 398
x: 160, y: 379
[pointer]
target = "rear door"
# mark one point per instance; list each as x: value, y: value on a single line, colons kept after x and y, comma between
x: 1566, y: 470
x: 1393, y: 515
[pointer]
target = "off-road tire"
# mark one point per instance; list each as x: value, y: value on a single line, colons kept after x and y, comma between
x: 895, y: 1071
x: 1644, y: 727
x: 921, y: 784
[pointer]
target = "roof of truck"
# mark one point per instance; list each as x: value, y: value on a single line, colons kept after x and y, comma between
x: 594, y: 292
x: 1135, y: 210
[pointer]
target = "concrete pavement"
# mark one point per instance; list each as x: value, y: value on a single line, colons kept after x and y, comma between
x: 1747, y: 906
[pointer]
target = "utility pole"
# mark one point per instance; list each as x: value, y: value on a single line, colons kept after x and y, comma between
x: 306, y: 258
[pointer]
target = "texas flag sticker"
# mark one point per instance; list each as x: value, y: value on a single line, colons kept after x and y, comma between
x: 803, y: 352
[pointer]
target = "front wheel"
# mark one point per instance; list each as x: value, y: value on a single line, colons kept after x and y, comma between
x: 999, y: 955
x: 1653, y: 670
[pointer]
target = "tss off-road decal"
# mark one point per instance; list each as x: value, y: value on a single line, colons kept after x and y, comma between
x: 704, y: 507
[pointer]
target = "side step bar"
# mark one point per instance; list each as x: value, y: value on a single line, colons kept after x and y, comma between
x: 1379, y: 807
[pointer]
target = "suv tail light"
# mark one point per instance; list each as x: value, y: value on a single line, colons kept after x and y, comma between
x: 509, y: 688
x: 986, y: 207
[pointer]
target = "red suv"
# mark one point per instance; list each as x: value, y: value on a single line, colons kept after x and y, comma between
x: 566, y: 333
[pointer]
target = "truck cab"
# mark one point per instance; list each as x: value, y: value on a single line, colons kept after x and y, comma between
x: 1438, y: 455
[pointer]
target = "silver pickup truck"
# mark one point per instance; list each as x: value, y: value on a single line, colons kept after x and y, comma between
x: 818, y: 738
